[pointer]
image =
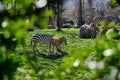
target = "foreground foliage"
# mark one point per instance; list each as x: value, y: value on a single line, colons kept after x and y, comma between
x: 87, y: 59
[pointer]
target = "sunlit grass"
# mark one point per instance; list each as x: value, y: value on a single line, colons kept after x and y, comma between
x: 75, y: 45
x: 71, y: 65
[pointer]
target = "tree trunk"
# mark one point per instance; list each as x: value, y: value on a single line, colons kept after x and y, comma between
x: 83, y: 9
x: 91, y: 10
x: 80, y: 14
x: 58, y: 16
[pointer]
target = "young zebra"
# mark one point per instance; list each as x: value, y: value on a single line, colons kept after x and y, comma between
x: 57, y: 42
x: 41, y: 38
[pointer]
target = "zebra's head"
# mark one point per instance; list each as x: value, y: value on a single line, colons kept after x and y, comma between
x: 63, y: 40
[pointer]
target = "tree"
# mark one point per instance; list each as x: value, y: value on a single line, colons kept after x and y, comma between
x: 91, y: 10
x: 57, y: 7
x: 80, y: 13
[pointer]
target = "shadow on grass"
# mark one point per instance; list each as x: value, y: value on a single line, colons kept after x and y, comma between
x: 50, y: 55
x: 53, y: 56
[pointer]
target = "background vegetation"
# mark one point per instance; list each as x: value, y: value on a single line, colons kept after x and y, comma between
x: 87, y: 59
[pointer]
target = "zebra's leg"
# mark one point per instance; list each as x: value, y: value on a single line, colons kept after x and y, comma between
x: 92, y: 33
x: 49, y: 46
x: 35, y: 48
x: 58, y: 48
x: 53, y: 49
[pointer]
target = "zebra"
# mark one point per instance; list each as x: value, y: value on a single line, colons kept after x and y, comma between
x: 98, y: 19
x: 57, y: 42
x: 88, y: 31
x: 107, y: 18
x: 41, y: 38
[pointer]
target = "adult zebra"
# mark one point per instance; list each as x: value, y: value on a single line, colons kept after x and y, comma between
x: 89, y: 31
x: 41, y: 38
x: 106, y: 21
x: 107, y: 18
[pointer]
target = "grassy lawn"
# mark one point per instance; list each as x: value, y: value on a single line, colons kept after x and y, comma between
x: 72, y: 38
x: 38, y: 67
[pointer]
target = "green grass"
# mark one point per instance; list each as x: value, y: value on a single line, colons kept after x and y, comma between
x: 39, y: 66
x: 72, y: 38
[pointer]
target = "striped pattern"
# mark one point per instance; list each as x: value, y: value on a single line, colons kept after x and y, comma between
x: 107, y: 18
x: 98, y: 19
x: 41, y: 38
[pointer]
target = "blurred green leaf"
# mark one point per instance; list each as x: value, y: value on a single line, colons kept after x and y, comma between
x: 49, y: 13
x: 2, y: 57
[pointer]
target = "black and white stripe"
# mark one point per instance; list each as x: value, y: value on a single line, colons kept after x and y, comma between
x: 107, y: 18
x: 41, y: 38
x: 98, y: 19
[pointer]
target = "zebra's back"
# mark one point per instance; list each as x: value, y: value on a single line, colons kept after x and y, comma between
x: 107, y: 18
x: 42, y: 38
